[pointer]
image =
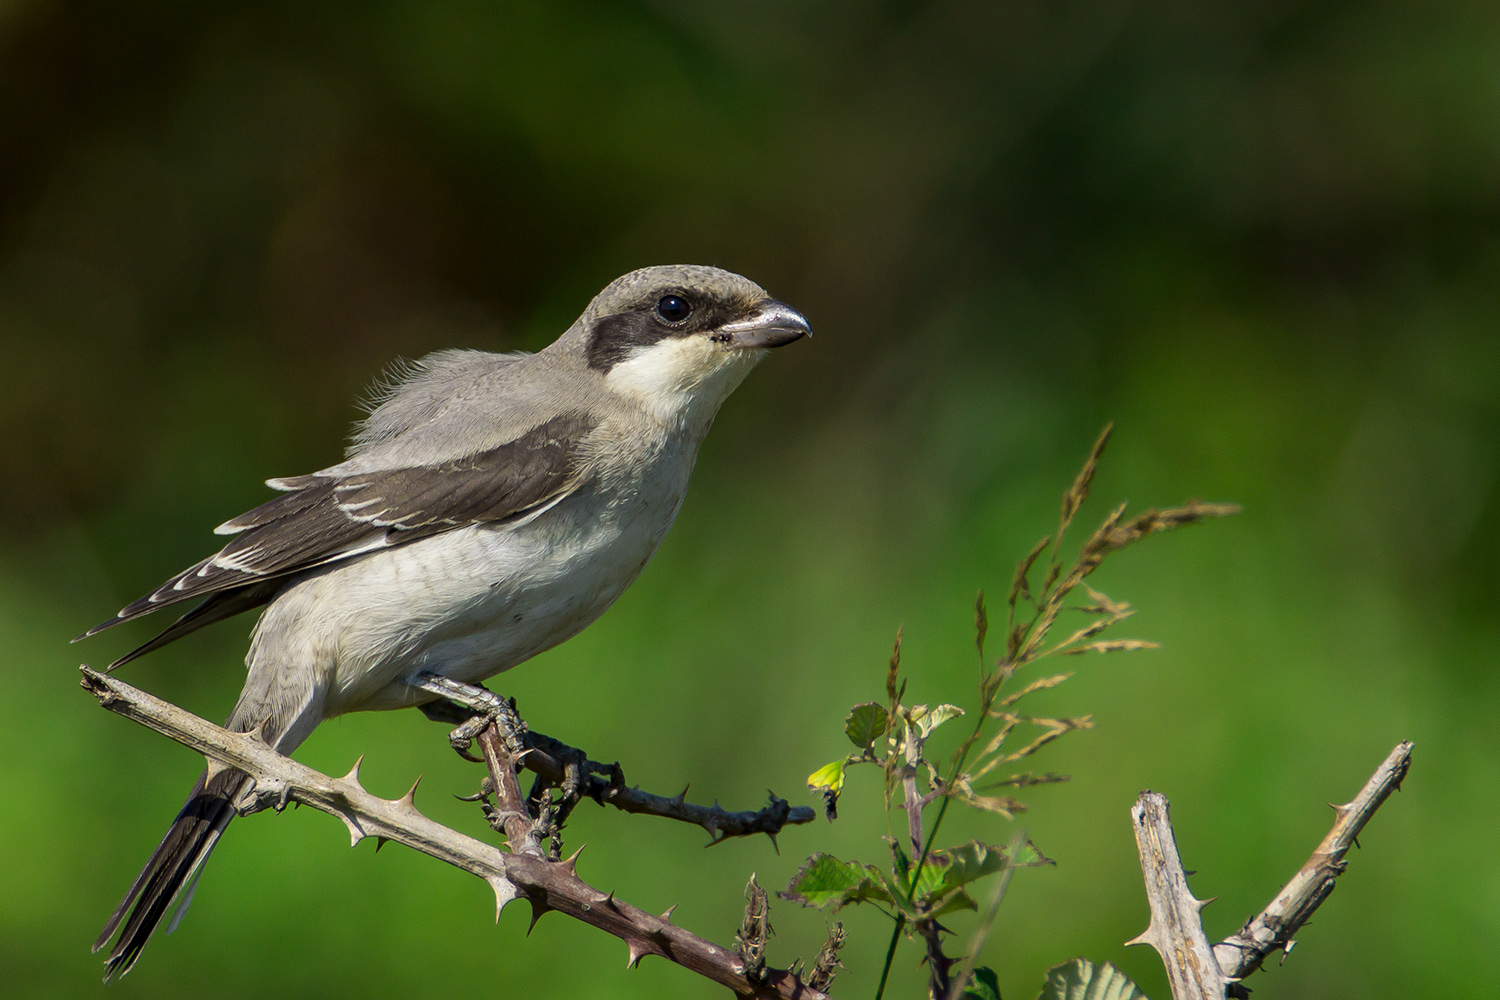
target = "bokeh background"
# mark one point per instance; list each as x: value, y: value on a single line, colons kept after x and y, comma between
x: 1262, y: 238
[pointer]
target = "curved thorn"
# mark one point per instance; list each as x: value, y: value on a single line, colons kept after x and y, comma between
x: 353, y: 776
x: 409, y: 800
x: 216, y: 767
x: 505, y: 891
x: 538, y: 909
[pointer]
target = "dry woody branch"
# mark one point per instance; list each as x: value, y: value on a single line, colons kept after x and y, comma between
x: 1197, y: 971
x: 545, y: 884
x: 1272, y: 929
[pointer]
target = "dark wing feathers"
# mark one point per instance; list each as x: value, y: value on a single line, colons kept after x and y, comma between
x: 219, y: 606
x: 325, y: 518
x: 304, y: 493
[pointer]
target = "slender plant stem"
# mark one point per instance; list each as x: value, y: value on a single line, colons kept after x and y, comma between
x: 890, y: 955
x: 911, y: 890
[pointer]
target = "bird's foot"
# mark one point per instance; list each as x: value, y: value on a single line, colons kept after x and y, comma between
x: 551, y: 811
x: 486, y: 707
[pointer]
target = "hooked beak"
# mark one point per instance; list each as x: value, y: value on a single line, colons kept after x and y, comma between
x: 772, y: 324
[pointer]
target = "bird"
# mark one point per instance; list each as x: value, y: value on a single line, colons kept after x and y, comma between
x: 489, y: 507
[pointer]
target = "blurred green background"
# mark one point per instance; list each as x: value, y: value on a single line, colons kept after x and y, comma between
x: 1262, y: 238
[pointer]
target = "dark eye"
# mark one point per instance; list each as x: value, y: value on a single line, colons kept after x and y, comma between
x: 674, y: 308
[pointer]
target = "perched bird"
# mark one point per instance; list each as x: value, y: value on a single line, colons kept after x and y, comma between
x: 490, y: 507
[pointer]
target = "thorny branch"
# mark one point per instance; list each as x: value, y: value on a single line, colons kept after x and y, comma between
x: 1176, y: 931
x: 546, y: 885
x: 1193, y: 969
x: 1272, y: 929
x: 510, y: 815
x: 605, y: 784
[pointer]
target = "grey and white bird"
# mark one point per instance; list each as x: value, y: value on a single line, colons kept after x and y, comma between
x: 490, y: 507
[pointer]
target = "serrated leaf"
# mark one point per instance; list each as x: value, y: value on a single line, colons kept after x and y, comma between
x: 955, y: 867
x: 1028, y: 856
x: 888, y: 889
x: 983, y: 985
x: 825, y: 881
x: 946, y: 872
x: 970, y: 861
x: 930, y: 719
x: 1081, y: 979
x: 955, y: 902
x: 865, y: 724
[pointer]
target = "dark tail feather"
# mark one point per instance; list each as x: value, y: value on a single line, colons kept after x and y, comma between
x: 173, y: 866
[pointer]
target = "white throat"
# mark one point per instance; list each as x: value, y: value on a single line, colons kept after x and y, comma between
x: 682, y: 380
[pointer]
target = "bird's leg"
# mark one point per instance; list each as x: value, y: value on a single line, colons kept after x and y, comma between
x: 485, y: 704
x: 502, y: 736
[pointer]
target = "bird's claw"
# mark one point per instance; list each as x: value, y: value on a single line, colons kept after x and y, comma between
x: 463, y: 736
x: 486, y: 789
x: 487, y: 707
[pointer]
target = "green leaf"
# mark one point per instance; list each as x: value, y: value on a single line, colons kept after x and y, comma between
x: 829, y: 780
x: 983, y: 985
x: 825, y: 881
x: 948, y: 871
x: 829, y: 776
x: 954, y: 868
x: 955, y: 902
x: 937, y: 717
x: 900, y: 863
x: 866, y: 724
x: 888, y: 889
x: 1029, y: 857
x: 1081, y: 979
x: 967, y: 862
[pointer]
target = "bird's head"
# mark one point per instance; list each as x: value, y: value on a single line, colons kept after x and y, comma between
x: 680, y: 338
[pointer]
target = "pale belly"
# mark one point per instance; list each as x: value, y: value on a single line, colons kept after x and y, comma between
x: 466, y: 604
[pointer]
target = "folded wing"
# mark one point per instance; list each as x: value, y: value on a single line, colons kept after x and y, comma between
x: 327, y: 517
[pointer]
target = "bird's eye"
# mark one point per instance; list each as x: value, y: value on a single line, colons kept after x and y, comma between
x: 674, y: 308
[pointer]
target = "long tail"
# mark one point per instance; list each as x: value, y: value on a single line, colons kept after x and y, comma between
x: 174, y: 865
